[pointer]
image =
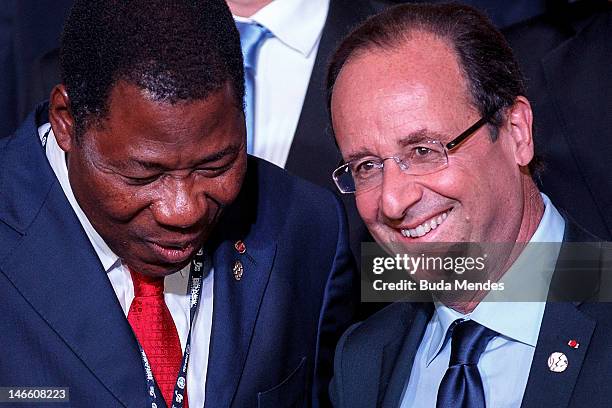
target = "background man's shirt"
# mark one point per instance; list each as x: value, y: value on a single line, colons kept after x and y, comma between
x: 284, y: 66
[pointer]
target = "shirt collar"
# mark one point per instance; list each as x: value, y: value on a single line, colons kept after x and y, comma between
x: 57, y: 160
x: 519, y: 321
x: 286, y: 20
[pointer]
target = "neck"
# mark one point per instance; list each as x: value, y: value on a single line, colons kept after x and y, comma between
x: 533, y: 211
x: 246, y: 8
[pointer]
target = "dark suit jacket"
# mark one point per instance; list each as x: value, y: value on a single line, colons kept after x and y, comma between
x: 28, y: 28
x: 374, y: 358
x: 567, y: 58
x: 273, y: 332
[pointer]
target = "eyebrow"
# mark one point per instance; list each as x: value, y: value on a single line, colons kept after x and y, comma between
x: 363, y: 152
x: 418, y: 136
x: 151, y: 165
x: 421, y: 135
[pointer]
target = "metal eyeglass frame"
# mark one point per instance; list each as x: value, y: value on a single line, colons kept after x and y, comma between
x: 447, y: 147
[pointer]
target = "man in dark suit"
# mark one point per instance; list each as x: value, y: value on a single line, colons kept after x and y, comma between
x: 108, y: 193
x: 429, y: 112
x: 565, y: 57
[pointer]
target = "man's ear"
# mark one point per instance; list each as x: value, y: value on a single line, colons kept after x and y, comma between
x: 61, y: 118
x: 519, y: 125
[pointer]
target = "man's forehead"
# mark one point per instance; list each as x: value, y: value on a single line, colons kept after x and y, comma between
x: 130, y: 101
x: 417, y: 53
x: 388, y: 98
x: 421, y: 65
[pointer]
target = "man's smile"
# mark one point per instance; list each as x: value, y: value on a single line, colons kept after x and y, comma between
x: 424, y: 227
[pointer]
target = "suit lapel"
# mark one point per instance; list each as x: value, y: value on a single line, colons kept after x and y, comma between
x: 237, y: 300
x: 380, y: 361
x: 398, y: 358
x: 562, y: 322
x: 62, y: 278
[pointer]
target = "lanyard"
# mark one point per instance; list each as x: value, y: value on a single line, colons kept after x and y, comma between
x: 43, y: 140
x: 199, y: 264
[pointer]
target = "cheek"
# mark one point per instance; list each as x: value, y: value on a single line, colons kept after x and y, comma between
x: 226, y: 189
x: 466, y: 180
x: 482, y: 188
x: 102, y: 196
x: 122, y: 204
x: 100, y: 200
x: 112, y: 200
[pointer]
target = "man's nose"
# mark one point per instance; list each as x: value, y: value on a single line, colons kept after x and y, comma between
x: 398, y: 192
x: 180, y: 203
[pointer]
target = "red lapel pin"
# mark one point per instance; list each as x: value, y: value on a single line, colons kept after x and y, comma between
x: 240, y: 247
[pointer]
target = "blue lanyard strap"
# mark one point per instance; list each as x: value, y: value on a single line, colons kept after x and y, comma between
x: 199, y: 264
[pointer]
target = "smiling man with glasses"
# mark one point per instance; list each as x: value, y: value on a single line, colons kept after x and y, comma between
x: 428, y: 110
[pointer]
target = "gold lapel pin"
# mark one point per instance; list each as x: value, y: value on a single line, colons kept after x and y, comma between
x: 238, y: 270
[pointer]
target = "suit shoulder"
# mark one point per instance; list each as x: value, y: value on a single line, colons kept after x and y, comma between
x: 285, y: 187
x: 535, y: 37
x: 273, y: 202
x: 380, y: 328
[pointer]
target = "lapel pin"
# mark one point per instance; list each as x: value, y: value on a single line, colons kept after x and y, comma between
x: 557, y: 362
x: 240, y: 247
x: 573, y: 344
x: 238, y: 270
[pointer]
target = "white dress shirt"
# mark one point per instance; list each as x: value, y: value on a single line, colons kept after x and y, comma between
x: 284, y: 65
x: 175, y: 285
x: 505, y: 364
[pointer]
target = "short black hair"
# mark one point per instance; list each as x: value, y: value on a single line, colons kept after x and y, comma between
x: 493, y: 76
x: 176, y: 50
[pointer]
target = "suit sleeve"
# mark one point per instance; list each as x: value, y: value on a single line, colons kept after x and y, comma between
x: 338, y: 309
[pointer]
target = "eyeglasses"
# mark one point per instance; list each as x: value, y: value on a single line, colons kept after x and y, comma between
x: 417, y: 159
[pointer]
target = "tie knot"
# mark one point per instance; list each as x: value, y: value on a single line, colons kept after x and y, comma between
x: 147, y: 285
x: 252, y: 35
x: 469, y: 340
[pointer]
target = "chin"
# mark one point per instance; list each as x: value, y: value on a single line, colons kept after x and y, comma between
x: 155, y: 269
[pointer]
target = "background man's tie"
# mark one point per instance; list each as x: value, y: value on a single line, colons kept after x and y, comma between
x: 461, y: 386
x: 252, y: 35
x: 154, y: 328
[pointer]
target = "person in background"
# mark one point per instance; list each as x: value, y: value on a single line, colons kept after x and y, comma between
x: 565, y: 55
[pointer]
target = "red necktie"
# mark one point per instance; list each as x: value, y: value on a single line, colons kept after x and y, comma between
x: 154, y: 328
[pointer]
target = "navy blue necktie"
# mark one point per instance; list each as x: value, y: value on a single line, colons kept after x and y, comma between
x: 252, y: 35
x: 461, y: 386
